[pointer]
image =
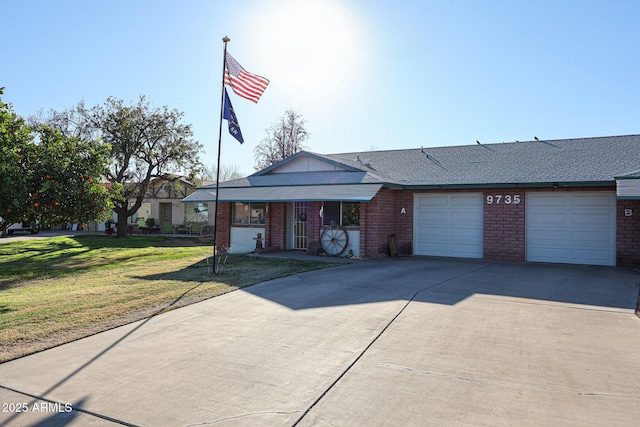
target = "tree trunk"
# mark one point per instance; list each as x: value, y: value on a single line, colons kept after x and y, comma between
x: 121, y: 224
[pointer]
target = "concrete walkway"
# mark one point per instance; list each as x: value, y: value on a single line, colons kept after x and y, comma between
x: 404, y: 341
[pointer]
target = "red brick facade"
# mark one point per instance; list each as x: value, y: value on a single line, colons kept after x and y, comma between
x: 391, y: 212
x: 504, y: 228
x: 628, y: 233
x: 276, y: 225
x: 223, y: 236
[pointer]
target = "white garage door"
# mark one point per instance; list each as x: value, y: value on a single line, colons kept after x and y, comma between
x: 575, y: 228
x: 448, y: 225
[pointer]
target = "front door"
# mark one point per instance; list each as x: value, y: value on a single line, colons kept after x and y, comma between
x: 165, y: 213
x: 299, y: 225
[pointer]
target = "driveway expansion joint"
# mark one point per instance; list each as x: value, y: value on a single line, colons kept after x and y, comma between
x: 362, y: 353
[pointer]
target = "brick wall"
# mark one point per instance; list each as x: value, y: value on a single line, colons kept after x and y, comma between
x: 504, y: 225
x: 377, y: 222
x: 404, y: 222
x: 276, y: 225
x: 628, y: 233
x: 313, y: 222
x: 223, y: 234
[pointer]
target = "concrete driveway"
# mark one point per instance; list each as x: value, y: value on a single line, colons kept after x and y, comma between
x: 404, y: 341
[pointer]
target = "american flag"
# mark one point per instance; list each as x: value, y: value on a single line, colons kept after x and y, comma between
x: 243, y: 83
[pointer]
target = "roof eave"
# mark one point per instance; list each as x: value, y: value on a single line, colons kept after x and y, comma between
x: 559, y: 184
x: 308, y: 154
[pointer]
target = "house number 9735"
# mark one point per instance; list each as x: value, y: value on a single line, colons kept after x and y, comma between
x: 506, y: 199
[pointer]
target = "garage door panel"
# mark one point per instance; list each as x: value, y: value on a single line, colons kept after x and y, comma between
x: 590, y: 200
x: 462, y: 250
x: 464, y: 216
x: 437, y: 249
x: 597, y: 237
x: 590, y: 256
x: 547, y: 254
x: 589, y: 219
x: 433, y: 201
x: 559, y: 218
x: 549, y: 200
x: 433, y: 217
x: 554, y: 235
x: 464, y: 200
x: 429, y: 232
x: 577, y: 228
x: 448, y: 224
x: 465, y: 233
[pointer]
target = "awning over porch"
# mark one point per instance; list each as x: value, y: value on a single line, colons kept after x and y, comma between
x: 302, y: 193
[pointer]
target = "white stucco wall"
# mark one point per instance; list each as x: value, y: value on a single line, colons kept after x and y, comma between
x: 354, y: 242
x: 242, y: 239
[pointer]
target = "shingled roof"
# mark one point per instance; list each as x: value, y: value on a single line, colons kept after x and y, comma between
x: 566, y: 161
x: 581, y: 161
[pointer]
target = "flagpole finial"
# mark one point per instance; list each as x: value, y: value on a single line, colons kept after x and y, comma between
x: 226, y: 39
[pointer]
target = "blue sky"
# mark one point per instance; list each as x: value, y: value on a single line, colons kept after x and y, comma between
x: 364, y: 74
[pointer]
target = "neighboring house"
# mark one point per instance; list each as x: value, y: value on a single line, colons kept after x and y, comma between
x: 162, y: 202
x: 546, y: 201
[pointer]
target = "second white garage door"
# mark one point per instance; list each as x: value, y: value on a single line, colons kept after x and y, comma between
x: 575, y: 228
x: 448, y: 225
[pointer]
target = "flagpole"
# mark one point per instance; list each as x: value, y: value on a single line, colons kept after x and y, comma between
x: 225, y: 40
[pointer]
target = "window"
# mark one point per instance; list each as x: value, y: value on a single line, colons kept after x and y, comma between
x: 346, y: 214
x: 142, y: 214
x: 331, y: 213
x: 248, y: 213
x: 196, y: 212
x: 351, y: 214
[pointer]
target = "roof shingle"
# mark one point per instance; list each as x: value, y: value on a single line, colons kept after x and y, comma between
x: 577, y: 161
x: 581, y: 160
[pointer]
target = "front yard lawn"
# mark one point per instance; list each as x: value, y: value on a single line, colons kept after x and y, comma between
x: 60, y: 289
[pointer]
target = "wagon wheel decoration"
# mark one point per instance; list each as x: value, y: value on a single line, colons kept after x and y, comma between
x: 334, y: 240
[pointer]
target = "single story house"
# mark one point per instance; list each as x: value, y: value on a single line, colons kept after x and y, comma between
x: 566, y: 201
x: 162, y: 203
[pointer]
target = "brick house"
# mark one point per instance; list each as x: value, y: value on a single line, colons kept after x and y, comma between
x: 568, y: 201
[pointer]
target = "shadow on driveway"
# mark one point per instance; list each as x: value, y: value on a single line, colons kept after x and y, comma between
x: 450, y: 281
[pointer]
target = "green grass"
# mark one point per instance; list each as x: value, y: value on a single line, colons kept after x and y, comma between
x: 60, y: 289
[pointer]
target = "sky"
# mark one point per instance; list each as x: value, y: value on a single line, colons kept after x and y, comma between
x: 363, y: 74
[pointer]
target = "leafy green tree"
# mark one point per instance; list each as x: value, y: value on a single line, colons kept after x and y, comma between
x: 48, y: 177
x: 146, y: 143
x: 67, y: 179
x: 16, y: 142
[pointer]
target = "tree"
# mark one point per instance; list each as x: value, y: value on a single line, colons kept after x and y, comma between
x: 285, y: 138
x: 145, y: 143
x: 227, y: 173
x: 15, y: 141
x: 67, y: 179
x: 48, y: 177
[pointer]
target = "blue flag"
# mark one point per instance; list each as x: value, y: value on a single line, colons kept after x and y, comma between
x: 230, y: 115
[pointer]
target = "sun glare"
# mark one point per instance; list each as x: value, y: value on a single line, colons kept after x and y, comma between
x: 313, y: 46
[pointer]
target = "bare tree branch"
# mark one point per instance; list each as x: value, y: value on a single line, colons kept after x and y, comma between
x: 285, y: 138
